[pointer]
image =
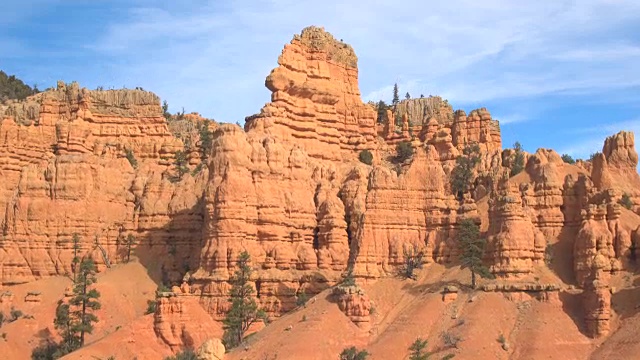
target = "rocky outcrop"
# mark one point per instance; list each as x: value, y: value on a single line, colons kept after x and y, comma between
x: 96, y: 164
x: 315, y: 101
x: 597, y: 297
x: 181, y: 323
x: 616, y: 166
x: 212, y: 349
x: 354, y: 303
x: 517, y: 244
x: 420, y: 110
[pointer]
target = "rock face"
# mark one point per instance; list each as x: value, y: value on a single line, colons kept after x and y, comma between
x: 518, y: 245
x: 315, y: 101
x: 615, y: 166
x: 354, y: 303
x: 212, y: 349
x: 597, y: 297
x: 180, y: 322
x: 96, y: 164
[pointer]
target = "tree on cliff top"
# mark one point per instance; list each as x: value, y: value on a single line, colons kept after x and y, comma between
x: 396, y: 96
x: 518, y: 160
x: 14, y: 88
x: 244, y: 310
x: 472, y: 250
x: 463, y: 172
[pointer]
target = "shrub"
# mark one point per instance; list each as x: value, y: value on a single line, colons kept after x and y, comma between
x: 352, y: 353
x: 412, y: 261
x: 404, y: 151
x: 15, y: 314
x: 302, y: 298
x: 463, y: 172
x: 548, y: 254
x: 366, y: 157
x: 448, y: 356
x: 131, y: 157
x: 46, y: 351
x: 450, y: 340
x: 568, y: 159
x: 418, y: 351
x: 151, y: 306
x: 181, y: 163
x: 187, y: 354
x: 349, y: 279
x: 626, y: 201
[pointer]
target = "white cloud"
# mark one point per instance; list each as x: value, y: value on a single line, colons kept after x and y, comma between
x: 584, y: 146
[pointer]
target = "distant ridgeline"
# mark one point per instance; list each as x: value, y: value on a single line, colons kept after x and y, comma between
x: 14, y: 88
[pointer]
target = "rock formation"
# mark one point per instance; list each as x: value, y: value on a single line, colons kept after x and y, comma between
x: 289, y: 189
x: 180, y: 322
x: 354, y: 303
x: 597, y: 297
x: 517, y: 244
x: 66, y: 171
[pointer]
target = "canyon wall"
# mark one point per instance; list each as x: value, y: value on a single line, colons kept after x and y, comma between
x: 97, y: 164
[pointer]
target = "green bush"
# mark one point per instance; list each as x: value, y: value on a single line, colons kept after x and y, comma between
x: 151, y: 306
x: 626, y: 201
x: 302, y: 298
x: 404, y: 151
x: 131, y: 157
x: 187, y: 354
x: 366, y: 157
x: 568, y: 159
x: 15, y: 314
x: 352, y: 353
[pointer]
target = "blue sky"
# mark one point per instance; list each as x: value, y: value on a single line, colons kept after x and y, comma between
x: 557, y: 74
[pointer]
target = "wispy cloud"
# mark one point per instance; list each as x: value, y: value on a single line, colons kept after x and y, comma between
x: 591, y: 139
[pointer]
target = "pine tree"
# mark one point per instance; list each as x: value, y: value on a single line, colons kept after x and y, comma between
x: 472, y: 250
x: 76, y: 259
x: 165, y: 110
x: 244, y: 310
x: 65, y: 326
x: 382, y: 112
x: 84, y: 301
x: 518, y: 160
x: 181, y: 163
x: 418, y: 350
x: 463, y: 172
x: 396, y: 97
x: 407, y: 96
x: 131, y: 240
x: 206, y: 139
